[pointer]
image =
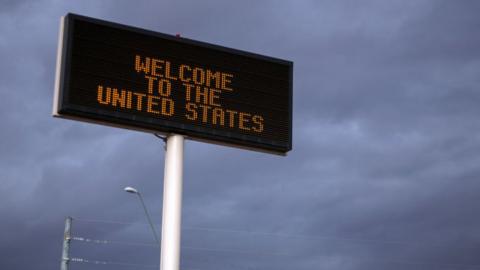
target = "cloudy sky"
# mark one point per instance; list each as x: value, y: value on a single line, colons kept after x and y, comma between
x: 384, y: 171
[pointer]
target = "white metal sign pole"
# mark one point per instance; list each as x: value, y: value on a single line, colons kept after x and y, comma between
x: 172, y: 204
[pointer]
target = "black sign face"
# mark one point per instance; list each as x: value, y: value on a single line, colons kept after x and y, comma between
x: 138, y: 79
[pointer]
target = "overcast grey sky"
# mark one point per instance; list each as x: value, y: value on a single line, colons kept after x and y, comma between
x: 384, y: 171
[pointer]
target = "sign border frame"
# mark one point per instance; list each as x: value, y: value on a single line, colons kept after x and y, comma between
x: 62, y: 109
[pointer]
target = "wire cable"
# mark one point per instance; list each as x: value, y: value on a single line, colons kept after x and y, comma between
x: 285, y: 235
x: 108, y: 221
x: 235, y: 251
x: 98, y: 241
x: 163, y: 138
x: 83, y: 260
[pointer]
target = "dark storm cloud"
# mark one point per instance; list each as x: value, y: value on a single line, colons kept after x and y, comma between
x: 12, y: 5
x: 382, y: 175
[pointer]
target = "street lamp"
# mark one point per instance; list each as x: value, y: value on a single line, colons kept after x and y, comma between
x: 134, y: 191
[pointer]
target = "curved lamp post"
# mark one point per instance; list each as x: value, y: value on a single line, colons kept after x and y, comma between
x: 134, y: 191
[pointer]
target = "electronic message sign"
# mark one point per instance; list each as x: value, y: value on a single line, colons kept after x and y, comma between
x: 138, y: 79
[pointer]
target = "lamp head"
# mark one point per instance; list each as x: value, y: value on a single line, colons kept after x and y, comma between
x: 131, y: 190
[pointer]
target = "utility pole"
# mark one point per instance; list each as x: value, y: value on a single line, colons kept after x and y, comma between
x: 66, y: 244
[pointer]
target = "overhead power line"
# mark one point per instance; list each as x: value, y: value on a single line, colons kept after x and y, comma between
x: 98, y: 241
x: 83, y: 260
x: 282, y: 235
